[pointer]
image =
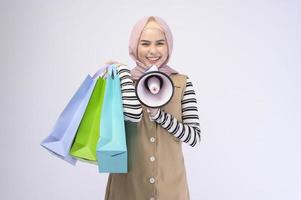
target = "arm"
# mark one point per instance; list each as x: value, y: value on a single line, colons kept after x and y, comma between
x: 132, y: 108
x: 188, y: 131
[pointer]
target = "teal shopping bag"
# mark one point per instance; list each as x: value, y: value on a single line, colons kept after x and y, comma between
x: 111, y: 146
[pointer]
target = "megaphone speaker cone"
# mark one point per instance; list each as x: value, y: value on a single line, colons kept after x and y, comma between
x: 154, y: 89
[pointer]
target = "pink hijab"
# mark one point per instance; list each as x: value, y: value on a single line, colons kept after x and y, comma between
x: 140, y: 69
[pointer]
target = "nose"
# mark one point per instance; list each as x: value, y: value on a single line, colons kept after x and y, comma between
x: 153, y: 49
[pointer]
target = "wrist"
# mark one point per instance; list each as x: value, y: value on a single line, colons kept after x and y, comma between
x: 155, y: 114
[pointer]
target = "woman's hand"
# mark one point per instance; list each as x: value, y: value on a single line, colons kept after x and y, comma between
x: 110, y: 62
x: 152, y: 111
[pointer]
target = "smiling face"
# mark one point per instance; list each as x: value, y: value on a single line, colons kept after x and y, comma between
x: 152, y: 47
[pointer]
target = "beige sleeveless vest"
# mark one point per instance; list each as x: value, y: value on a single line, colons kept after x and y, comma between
x: 156, y: 169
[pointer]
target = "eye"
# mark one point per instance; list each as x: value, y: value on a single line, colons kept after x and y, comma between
x: 144, y: 44
x: 160, y: 43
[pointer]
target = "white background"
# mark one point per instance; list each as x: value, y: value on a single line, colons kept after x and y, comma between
x: 243, y: 58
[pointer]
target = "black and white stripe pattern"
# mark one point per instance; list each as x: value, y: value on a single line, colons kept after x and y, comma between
x: 188, y: 131
x: 132, y: 108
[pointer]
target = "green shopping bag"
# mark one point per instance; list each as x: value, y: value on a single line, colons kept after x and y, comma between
x: 84, y: 145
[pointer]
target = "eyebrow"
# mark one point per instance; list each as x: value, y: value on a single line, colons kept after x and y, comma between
x: 162, y: 40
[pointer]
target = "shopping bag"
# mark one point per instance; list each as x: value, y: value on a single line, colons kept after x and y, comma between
x: 111, y: 145
x: 84, y: 145
x: 60, y: 139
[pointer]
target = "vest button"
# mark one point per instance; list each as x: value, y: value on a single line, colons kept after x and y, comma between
x: 152, y: 158
x: 152, y: 180
x: 152, y: 139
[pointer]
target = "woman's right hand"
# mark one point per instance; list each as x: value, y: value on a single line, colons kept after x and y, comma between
x: 110, y: 62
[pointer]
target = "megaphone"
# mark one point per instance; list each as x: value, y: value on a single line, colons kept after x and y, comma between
x: 154, y: 89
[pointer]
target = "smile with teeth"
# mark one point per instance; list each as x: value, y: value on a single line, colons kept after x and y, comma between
x: 153, y: 58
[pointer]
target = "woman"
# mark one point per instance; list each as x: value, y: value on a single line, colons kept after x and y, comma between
x: 154, y: 140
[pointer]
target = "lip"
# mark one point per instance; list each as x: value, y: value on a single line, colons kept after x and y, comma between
x: 153, y: 59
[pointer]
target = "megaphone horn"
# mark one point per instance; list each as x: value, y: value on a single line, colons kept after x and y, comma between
x: 153, y: 83
x: 154, y: 89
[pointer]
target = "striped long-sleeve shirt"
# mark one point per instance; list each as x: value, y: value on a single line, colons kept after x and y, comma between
x: 132, y: 108
x: 187, y: 131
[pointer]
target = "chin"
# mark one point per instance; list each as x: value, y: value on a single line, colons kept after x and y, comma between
x: 158, y: 64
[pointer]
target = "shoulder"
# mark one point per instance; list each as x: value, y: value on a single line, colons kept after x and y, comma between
x: 179, y: 75
x: 181, y: 79
x: 123, y: 69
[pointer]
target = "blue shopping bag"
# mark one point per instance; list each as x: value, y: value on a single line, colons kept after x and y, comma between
x: 60, y: 139
x: 111, y: 146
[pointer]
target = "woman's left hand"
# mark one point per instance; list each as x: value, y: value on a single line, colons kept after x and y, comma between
x: 152, y: 111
